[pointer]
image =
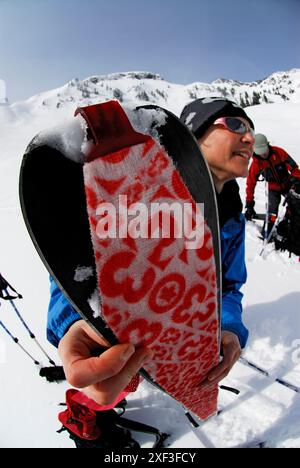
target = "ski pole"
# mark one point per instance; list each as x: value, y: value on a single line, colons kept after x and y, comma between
x: 266, y: 241
x: 264, y: 372
x: 267, y: 214
x: 4, y: 285
x: 278, y: 220
x: 32, y: 336
x: 18, y: 343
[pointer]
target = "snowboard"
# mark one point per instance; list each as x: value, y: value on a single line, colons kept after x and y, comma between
x: 149, y: 291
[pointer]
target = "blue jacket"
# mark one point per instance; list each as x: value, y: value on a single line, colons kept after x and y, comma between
x: 61, y: 315
x: 234, y: 275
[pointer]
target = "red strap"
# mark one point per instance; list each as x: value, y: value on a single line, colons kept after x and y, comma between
x: 82, y: 399
x: 111, y: 130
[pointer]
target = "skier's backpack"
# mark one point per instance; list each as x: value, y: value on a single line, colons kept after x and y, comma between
x: 288, y: 230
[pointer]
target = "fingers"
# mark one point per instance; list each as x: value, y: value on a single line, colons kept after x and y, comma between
x: 103, y: 377
x: 78, y: 342
x: 217, y: 374
x: 82, y: 371
x: 232, y: 352
x: 106, y: 392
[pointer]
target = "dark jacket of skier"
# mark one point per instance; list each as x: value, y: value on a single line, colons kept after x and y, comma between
x: 61, y: 314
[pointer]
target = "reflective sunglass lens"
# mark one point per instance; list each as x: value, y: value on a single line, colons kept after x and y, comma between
x: 236, y: 125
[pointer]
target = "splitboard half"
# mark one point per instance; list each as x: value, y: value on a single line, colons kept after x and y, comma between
x: 152, y: 291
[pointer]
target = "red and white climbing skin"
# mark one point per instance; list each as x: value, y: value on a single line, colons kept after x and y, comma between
x: 156, y: 292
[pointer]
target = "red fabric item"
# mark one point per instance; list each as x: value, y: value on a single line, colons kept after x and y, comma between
x: 79, y: 418
x: 277, y: 156
x: 155, y: 292
x: 110, y: 128
x: 80, y: 415
x: 81, y: 398
x: 84, y: 400
x: 133, y: 384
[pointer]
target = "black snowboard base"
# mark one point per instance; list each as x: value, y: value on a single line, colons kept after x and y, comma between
x: 53, y: 201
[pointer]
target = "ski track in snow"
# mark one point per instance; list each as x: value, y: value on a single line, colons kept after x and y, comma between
x: 264, y: 410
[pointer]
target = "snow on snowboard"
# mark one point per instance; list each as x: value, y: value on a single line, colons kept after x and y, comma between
x: 154, y: 291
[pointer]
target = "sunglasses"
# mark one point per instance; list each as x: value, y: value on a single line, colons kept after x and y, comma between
x: 234, y: 124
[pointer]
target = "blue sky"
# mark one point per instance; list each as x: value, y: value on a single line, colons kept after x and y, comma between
x: 45, y: 43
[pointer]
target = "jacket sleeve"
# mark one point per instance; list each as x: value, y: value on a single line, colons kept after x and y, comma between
x: 234, y: 276
x: 252, y: 181
x: 293, y: 167
x: 61, y: 315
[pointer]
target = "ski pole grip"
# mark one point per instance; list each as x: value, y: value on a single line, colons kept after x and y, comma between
x: 110, y: 129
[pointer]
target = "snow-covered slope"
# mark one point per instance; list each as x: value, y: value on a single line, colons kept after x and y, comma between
x: 264, y: 410
x: 145, y: 87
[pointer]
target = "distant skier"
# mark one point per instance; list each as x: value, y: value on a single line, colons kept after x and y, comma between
x: 276, y: 167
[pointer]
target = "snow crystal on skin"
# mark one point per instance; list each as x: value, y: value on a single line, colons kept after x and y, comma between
x: 86, y: 147
x: 67, y: 138
x: 83, y: 274
x: 95, y: 303
x: 70, y: 138
x: 147, y: 121
x: 73, y: 137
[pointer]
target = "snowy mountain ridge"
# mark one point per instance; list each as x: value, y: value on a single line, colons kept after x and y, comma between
x: 146, y: 87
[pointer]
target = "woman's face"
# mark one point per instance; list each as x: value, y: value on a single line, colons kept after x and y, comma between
x: 227, y: 153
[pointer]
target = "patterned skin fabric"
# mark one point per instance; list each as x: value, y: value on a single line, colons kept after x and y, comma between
x: 155, y: 291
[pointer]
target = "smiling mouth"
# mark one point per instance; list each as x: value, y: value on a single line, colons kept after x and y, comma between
x: 243, y: 154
